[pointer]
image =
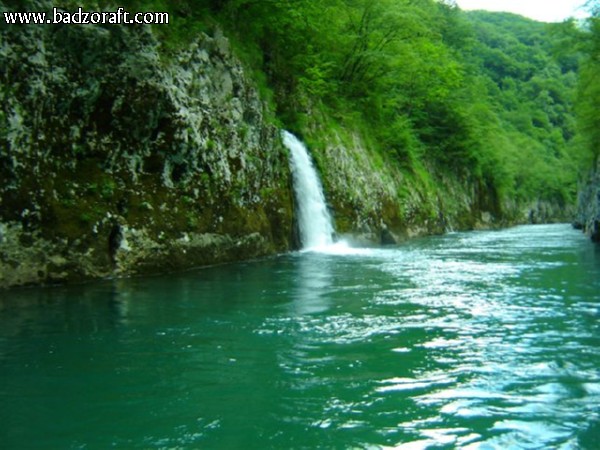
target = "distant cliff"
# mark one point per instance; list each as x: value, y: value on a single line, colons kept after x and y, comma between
x: 116, y: 159
x: 588, y: 206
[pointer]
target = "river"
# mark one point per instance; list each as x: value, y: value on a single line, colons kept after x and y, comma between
x: 477, y: 340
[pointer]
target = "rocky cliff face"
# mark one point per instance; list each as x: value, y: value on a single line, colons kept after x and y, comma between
x: 117, y: 160
x: 588, y: 206
x: 374, y: 202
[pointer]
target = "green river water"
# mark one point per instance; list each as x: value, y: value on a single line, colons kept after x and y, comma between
x: 482, y: 340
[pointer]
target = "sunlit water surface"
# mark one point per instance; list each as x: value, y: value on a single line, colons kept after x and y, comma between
x: 484, y: 340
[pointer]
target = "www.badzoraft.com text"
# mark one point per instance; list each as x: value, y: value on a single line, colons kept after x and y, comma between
x: 80, y: 17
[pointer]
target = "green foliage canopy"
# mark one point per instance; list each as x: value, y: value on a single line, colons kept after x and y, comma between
x: 484, y: 96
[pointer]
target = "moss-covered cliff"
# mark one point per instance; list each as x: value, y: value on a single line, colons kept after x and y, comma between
x: 115, y: 159
x: 588, y: 205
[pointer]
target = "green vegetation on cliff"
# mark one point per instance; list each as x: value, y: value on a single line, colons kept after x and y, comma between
x: 587, y: 40
x: 478, y: 96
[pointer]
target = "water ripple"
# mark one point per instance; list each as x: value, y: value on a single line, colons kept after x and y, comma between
x: 485, y: 340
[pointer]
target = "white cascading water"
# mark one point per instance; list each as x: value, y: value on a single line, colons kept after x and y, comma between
x: 314, y: 220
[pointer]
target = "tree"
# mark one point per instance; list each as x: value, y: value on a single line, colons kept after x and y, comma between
x: 589, y: 82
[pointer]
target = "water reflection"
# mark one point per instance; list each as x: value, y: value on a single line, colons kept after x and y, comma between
x: 312, y: 282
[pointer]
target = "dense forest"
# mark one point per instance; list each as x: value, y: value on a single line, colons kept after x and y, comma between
x: 485, y: 95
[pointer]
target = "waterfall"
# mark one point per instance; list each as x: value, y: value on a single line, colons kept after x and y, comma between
x: 314, y: 220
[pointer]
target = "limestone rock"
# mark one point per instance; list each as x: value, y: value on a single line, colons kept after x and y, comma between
x: 112, y: 150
